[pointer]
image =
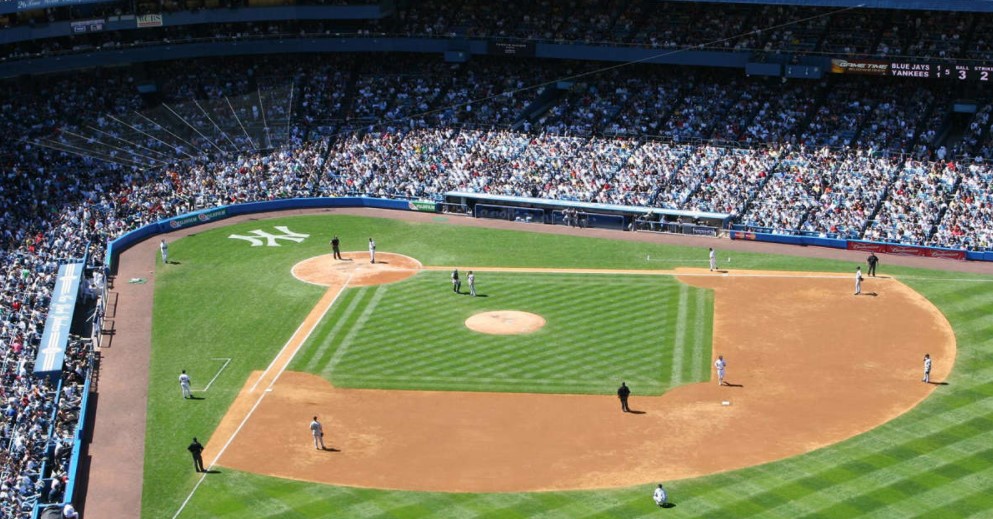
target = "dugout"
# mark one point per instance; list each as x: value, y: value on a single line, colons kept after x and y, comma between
x: 586, y: 214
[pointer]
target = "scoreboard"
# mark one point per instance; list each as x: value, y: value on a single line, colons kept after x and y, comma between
x: 923, y: 70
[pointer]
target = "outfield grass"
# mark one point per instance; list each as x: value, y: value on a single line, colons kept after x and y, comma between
x: 653, y: 332
x: 936, y: 460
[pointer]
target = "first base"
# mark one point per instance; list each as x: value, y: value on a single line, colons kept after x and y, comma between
x: 726, y: 402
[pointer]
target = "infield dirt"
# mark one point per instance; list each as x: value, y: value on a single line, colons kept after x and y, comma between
x: 810, y: 365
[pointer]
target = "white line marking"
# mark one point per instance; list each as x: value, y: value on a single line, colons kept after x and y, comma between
x: 307, y: 336
x: 227, y: 360
x: 267, y: 390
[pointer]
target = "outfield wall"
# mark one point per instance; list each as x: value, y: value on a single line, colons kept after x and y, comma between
x: 898, y: 249
x: 115, y: 247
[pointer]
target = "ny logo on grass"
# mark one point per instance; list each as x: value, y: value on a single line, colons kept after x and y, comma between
x: 271, y: 240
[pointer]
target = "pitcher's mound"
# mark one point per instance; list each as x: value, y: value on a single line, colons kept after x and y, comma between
x: 505, y: 322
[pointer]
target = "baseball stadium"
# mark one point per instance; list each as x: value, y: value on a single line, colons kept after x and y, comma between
x: 567, y: 258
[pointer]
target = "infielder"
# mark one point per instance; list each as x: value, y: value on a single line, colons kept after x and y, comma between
x: 164, y: 249
x: 713, y: 260
x: 317, y: 430
x: 927, y: 369
x: 372, y: 251
x: 660, y: 496
x: 472, y: 284
x: 720, y: 365
x: 184, y: 384
x: 858, y: 280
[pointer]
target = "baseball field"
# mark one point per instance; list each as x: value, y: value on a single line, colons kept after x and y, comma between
x: 826, y: 417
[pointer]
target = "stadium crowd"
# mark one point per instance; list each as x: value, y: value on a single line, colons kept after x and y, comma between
x: 95, y: 159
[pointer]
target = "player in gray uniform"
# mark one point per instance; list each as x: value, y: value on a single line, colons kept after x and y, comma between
x: 713, y: 260
x: 720, y: 364
x: 184, y: 384
x: 372, y: 251
x: 927, y: 368
x: 164, y: 248
x: 858, y: 280
x: 317, y: 430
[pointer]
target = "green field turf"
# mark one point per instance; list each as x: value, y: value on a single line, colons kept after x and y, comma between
x: 651, y: 331
x: 936, y: 460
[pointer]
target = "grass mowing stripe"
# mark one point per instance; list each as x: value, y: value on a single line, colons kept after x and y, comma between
x: 318, y: 353
x: 700, y: 363
x: 679, y: 337
x: 350, y: 336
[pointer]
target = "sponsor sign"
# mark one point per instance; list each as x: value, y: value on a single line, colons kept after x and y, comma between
x: 870, y: 67
x: 422, y: 205
x: 703, y: 231
x: 511, y: 48
x: 866, y: 247
x: 52, y: 350
x: 28, y: 5
x: 84, y: 26
x: 742, y: 235
x: 149, y: 20
x: 198, y: 218
x: 906, y: 250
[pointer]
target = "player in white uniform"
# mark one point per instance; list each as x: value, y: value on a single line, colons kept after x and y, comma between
x: 372, y: 251
x: 660, y: 496
x: 720, y: 365
x: 858, y: 280
x: 472, y: 284
x: 317, y: 430
x: 927, y: 369
x: 713, y: 260
x: 164, y: 248
x: 184, y: 384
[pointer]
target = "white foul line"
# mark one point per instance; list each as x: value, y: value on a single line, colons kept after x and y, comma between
x: 268, y: 388
x: 226, y: 360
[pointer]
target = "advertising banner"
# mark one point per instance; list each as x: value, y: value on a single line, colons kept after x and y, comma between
x: 52, y: 350
x: 427, y: 206
x: 149, y: 20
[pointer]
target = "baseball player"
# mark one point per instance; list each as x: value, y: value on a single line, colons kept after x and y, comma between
x: 472, y: 284
x: 164, y: 249
x: 660, y: 496
x: 372, y: 251
x: 713, y: 260
x: 317, y: 430
x: 623, y: 393
x: 858, y: 280
x: 184, y: 384
x: 720, y: 364
x: 927, y: 369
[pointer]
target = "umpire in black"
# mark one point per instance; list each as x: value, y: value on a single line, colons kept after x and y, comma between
x: 623, y: 393
x: 197, y: 451
x: 872, y: 260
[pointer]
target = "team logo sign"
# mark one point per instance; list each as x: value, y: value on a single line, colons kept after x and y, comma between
x: 271, y: 240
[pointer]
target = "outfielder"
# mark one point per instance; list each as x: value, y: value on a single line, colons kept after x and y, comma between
x: 713, y: 260
x: 164, y: 249
x: 858, y: 280
x: 317, y: 430
x: 184, y: 384
x: 720, y: 365
x: 927, y: 369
